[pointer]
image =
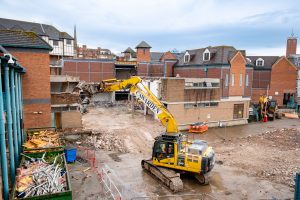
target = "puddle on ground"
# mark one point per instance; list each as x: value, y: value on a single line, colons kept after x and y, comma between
x: 115, y: 156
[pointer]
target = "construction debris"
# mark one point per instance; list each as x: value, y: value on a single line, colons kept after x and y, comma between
x: 42, y: 139
x: 107, y: 142
x: 41, y: 176
x: 91, y: 88
x: 278, y: 162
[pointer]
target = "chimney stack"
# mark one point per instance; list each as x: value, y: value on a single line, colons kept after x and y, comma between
x: 291, y: 45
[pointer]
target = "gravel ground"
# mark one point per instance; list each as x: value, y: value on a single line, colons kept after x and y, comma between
x: 273, y: 155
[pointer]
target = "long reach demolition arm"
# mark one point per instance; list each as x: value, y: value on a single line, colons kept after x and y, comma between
x: 142, y: 93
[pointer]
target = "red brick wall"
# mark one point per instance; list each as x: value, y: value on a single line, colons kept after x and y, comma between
x: 142, y: 69
x: 238, y: 66
x: 248, y: 89
x: 213, y: 72
x: 153, y: 69
x: 168, y: 55
x: 36, y: 86
x: 90, y: 71
x: 225, y: 89
x: 170, y: 67
x: 283, y: 79
x: 143, y: 55
x: 189, y: 72
x: 261, y: 78
x: 291, y: 46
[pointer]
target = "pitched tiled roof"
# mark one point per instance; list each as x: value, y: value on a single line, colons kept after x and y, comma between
x: 12, y: 38
x: 218, y: 55
x: 129, y: 50
x: 40, y: 29
x: 143, y: 44
x: 155, y: 56
x: 268, y: 61
x: 65, y: 35
x: 178, y: 55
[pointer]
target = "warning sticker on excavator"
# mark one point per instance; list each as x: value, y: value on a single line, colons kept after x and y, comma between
x: 148, y: 102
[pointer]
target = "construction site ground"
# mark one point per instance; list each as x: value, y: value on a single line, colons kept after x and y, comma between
x: 254, y: 161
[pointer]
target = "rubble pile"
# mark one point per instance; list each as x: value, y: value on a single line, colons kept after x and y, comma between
x: 42, y: 139
x: 107, y: 142
x: 37, y: 176
x: 277, y: 160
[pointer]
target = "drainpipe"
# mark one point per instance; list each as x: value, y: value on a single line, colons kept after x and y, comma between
x: 165, y: 69
x: 9, y: 123
x: 21, y: 108
x: 3, y: 145
x: 18, y: 112
x: 14, y: 114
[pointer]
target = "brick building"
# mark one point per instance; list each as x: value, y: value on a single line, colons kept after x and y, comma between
x: 33, y: 52
x: 61, y: 42
x: 276, y: 76
x: 89, y: 53
x: 295, y: 59
x: 225, y: 64
x: 230, y: 67
x: 193, y: 100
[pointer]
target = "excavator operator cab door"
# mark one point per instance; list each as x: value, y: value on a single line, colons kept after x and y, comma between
x: 164, y: 151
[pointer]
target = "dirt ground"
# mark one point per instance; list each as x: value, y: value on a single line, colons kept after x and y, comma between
x: 255, y: 161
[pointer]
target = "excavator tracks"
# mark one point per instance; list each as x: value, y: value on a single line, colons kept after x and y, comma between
x: 168, y: 176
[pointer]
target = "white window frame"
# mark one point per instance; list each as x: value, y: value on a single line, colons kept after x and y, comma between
x: 247, y: 80
x: 241, y: 80
x: 206, y: 52
x: 260, y: 60
x: 226, y: 80
x: 188, y: 56
x: 232, y: 80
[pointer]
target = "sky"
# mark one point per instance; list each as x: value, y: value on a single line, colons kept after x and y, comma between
x: 260, y: 27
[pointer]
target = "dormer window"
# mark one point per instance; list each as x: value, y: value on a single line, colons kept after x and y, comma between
x: 260, y: 62
x: 187, y: 57
x: 206, y: 55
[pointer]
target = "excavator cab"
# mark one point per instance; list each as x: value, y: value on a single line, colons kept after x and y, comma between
x: 172, y: 151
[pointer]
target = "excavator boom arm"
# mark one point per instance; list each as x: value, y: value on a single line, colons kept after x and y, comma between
x: 134, y: 84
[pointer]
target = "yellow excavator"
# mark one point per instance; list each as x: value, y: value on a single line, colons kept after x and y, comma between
x: 172, y: 153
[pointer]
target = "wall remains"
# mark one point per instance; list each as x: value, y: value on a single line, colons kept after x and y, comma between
x: 71, y: 119
x: 89, y: 70
x: 65, y: 98
x: 36, y: 87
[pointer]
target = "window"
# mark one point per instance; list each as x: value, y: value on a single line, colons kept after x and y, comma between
x: 187, y: 57
x: 68, y: 41
x: 201, y: 105
x: 189, y: 84
x: 241, y: 79
x: 164, y: 149
x: 260, y: 62
x: 238, y: 111
x: 247, y: 80
x: 206, y: 55
x: 144, y: 51
x: 214, y: 104
x: 55, y: 42
x: 232, y: 80
x: 226, y: 80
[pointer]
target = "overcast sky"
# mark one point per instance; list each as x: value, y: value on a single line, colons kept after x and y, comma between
x: 258, y: 26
